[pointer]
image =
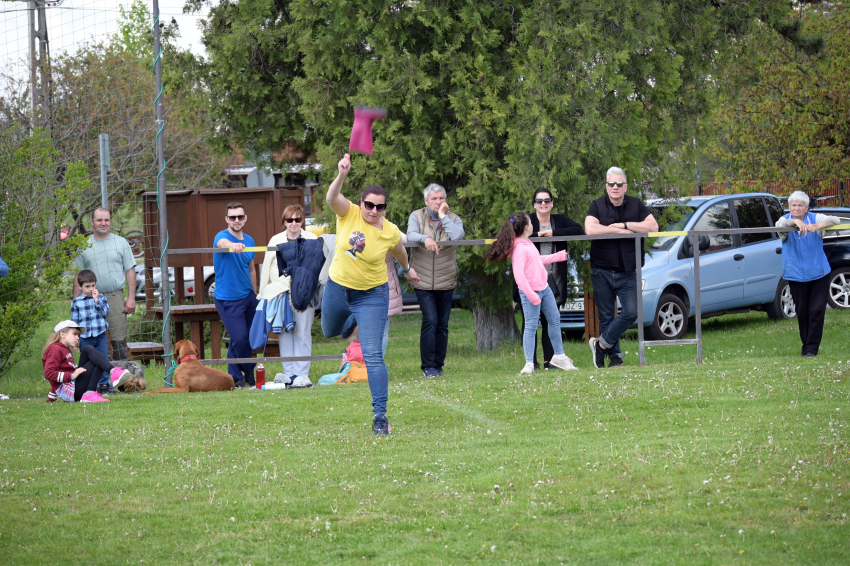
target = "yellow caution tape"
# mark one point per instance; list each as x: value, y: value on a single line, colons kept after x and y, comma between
x: 254, y: 249
x: 488, y: 242
x: 838, y: 227
x: 661, y: 234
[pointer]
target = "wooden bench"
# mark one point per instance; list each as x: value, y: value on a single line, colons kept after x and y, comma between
x: 146, y: 352
x: 272, y: 347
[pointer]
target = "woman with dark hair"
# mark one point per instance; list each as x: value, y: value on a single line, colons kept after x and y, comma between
x: 544, y: 225
x: 357, y: 293
x: 530, y: 274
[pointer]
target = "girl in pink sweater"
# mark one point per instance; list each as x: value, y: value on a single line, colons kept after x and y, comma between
x: 532, y: 280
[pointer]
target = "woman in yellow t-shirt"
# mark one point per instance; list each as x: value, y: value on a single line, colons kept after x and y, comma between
x: 357, y: 293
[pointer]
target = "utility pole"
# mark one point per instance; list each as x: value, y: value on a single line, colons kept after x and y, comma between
x: 105, y: 165
x: 31, y: 6
x: 165, y: 290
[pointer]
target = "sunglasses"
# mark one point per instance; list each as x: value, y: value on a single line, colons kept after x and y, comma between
x: 291, y: 220
x: 618, y: 185
x: 542, y: 200
x: 372, y: 206
x: 238, y: 218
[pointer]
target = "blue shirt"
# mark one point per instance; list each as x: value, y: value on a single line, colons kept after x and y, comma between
x: 232, y: 275
x: 86, y: 312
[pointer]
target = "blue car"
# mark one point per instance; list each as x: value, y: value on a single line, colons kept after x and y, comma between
x: 738, y: 273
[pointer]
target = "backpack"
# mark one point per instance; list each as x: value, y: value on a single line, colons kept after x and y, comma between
x: 353, y: 369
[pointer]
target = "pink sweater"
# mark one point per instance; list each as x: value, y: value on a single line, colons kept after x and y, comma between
x: 529, y: 273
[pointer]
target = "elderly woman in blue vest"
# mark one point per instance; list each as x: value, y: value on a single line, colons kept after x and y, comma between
x: 805, y: 267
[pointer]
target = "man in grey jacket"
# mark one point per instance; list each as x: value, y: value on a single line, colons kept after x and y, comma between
x: 437, y: 270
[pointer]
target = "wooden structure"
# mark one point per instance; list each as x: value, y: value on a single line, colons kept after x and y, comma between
x: 195, y: 217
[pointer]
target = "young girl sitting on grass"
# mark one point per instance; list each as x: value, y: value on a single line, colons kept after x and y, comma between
x: 67, y: 381
x: 533, y: 282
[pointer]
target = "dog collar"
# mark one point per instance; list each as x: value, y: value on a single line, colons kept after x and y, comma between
x: 189, y: 357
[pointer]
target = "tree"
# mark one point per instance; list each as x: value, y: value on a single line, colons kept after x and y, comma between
x: 107, y: 87
x: 790, y: 119
x: 489, y: 99
x: 29, y: 236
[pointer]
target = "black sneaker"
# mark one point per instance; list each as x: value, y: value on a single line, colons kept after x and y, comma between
x: 615, y: 361
x: 381, y: 425
x: 429, y: 372
x: 598, y: 353
x: 106, y: 389
x: 536, y: 366
x: 547, y: 365
x: 438, y: 372
x: 240, y: 384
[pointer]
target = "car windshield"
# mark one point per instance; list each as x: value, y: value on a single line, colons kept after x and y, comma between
x: 679, y: 215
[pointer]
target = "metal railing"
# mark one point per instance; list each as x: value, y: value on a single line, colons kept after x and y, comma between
x: 637, y: 237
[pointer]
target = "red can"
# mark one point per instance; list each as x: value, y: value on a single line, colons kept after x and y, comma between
x: 261, y: 376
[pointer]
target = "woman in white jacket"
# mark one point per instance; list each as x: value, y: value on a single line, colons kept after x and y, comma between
x: 299, y: 342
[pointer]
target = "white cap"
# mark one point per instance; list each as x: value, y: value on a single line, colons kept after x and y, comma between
x: 69, y: 324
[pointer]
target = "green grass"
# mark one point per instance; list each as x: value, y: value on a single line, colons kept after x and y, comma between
x: 742, y: 460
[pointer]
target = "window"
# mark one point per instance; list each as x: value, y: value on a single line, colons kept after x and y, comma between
x: 716, y: 218
x: 775, y: 209
x: 752, y: 214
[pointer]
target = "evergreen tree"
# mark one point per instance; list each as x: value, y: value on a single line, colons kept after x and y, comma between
x: 489, y: 99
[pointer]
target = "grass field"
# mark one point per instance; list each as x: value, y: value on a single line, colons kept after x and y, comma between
x: 743, y: 460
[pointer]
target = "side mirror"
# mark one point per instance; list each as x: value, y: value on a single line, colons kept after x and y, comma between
x: 688, y: 247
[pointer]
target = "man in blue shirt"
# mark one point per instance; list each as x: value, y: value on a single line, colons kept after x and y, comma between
x: 235, y: 290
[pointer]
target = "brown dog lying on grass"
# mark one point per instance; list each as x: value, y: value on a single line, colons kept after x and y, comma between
x: 191, y: 375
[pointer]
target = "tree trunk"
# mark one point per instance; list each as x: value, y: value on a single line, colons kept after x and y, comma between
x: 493, y: 326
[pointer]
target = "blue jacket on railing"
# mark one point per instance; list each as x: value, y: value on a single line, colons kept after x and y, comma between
x: 302, y: 261
x: 802, y: 257
x: 274, y: 314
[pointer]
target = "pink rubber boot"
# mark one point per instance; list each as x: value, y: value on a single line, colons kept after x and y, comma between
x: 361, y: 131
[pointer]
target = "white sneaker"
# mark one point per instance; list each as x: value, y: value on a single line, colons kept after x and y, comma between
x: 301, y: 381
x: 280, y: 378
x: 528, y: 369
x: 563, y: 362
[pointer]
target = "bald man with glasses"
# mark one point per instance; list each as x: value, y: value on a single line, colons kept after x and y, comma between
x: 613, y: 263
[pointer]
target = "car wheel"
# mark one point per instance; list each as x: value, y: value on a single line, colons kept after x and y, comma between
x: 671, y: 319
x: 209, y: 288
x: 782, y: 307
x: 839, y: 288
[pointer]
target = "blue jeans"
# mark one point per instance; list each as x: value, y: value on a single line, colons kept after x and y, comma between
x: 532, y: 315
x: 386, y: 339
x: 98, y: 343
x: 608, y: 286
x: 237, y: 317
x: 341, y: 306
x: 436, y: 306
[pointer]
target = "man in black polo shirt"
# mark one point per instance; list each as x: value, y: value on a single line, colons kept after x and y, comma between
x: 613, y: 263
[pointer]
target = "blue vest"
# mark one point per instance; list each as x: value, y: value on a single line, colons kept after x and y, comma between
x: 803, y: 258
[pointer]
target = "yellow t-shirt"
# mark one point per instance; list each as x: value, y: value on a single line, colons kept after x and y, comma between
x: 360, y: 251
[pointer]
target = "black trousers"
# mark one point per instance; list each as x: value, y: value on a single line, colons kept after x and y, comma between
x: 95, y: 364
x: 436, y: 307
x: 810, y: 302
x: 548, y: 350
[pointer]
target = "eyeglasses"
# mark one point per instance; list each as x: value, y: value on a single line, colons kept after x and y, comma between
x: 618, y: 185
x: 542, y: 200
x: 372, y: 206
x: 291, y: 220
x: 238, y: 218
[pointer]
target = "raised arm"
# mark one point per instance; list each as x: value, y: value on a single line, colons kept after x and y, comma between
x: 338, y: 203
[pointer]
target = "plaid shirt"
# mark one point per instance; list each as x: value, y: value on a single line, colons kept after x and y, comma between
x: 92, y: 315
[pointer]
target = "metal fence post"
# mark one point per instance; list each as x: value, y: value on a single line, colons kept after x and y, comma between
x: 639, y: 276
x: 697, y: 298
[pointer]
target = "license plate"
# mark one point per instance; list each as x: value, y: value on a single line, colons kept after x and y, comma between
x: 573, y: 306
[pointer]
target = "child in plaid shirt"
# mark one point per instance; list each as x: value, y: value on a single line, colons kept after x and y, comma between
x: 89, y: 310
